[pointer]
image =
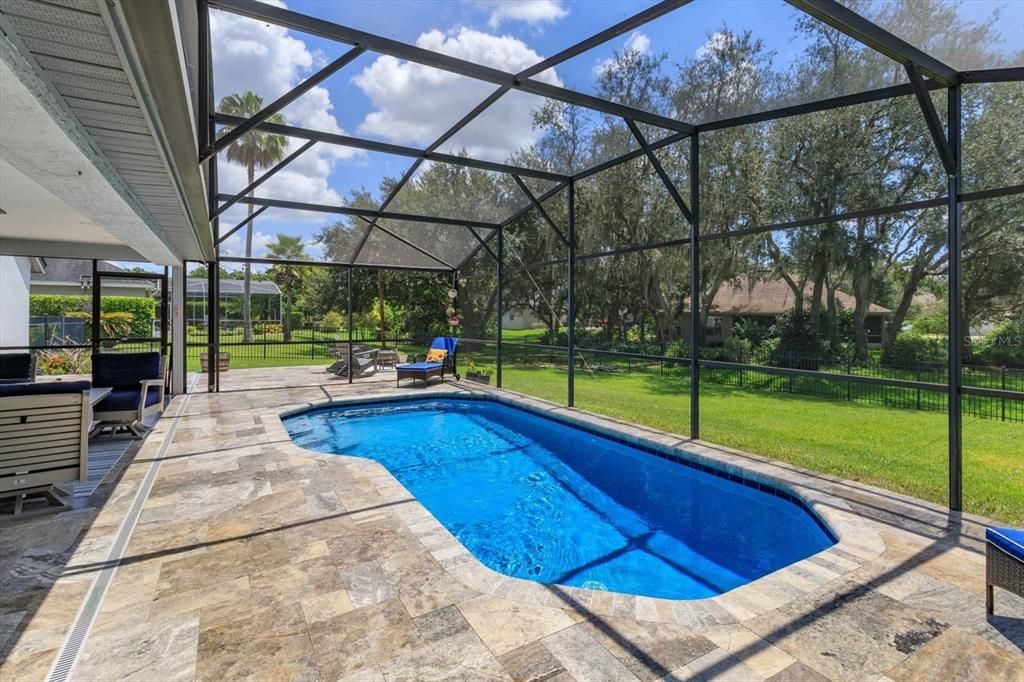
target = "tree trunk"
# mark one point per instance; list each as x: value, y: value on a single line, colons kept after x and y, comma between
x: 247, y: 282
x: 862, y: 302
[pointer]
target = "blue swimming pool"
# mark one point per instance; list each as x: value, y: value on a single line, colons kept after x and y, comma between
x: 543, y: 500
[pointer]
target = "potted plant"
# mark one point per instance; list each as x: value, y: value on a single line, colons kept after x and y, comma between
x: 479, y: 376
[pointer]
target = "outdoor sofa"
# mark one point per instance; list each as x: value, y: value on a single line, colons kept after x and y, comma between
x: 44, y: 439
x: 17, y: 368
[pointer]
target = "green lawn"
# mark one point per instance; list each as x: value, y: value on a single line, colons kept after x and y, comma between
x: 897, y: 449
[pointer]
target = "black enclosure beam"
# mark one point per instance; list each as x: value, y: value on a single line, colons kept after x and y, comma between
x: 500, y: 267
x: 570, y: 332
x: 392, y: 193
x: 348, y: 278
x: 313, y: 263
x: 874, y: 36
x: 246, y: 221
x: 992, y: 193
x: 281, y: 102
x: 408, y: 243
x: 955, y: 287
x: 624, y: 26
x: 540, y: 207
x: 834, y: 218
x: 205, y: 73
x: 695, y: 320
x: 902, y: 90
x: 512, y: 218
x: 263, y: 178
x: 397, y: 150
x: 482, y: 244
x: 665, y: 179
x: 1007, y: 75
x: 419, y: 55
x: 931, y: 117
x: 364, y: 212
x: 629, y: 156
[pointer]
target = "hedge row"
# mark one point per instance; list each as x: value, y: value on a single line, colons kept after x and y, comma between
x: 142, y: 309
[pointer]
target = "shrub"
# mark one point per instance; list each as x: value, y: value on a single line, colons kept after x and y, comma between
x: 1004, y: 345
x: 935, y: 323
x: 141, y: 308
x: 332, y: 321
x: 64, y: 361
x: 909, y: 348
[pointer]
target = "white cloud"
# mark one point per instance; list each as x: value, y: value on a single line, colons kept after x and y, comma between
x: 414, y: 104
x: 269, y: 61
x: 235, y: 244
x: 717, y: 43
x: 529, y: 11
x: 637, y: 42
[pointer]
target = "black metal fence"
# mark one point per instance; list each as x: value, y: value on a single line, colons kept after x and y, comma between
x: 913, y: 386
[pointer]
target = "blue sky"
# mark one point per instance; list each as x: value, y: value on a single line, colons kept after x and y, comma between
x: 386, y: 99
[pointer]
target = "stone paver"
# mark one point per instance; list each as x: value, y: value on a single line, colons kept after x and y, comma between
x: 254, y: 559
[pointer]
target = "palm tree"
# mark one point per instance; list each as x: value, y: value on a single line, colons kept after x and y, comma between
x: 287, y: 276
x: 255, y: 149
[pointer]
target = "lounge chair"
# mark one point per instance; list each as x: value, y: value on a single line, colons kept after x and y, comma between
x: 44, y: 441
x: 424, y: 367
x: 364, y: 363
x: 137, y: 383
x: 17, y: 368
x: 339, y: 350
x: 1004, y: 562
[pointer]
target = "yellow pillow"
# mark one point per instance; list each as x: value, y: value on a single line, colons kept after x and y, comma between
x: 436, y: 355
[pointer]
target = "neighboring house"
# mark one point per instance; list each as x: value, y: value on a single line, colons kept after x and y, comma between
x: 767, y: 299
x: 73, y: 277
x: 521, y: 319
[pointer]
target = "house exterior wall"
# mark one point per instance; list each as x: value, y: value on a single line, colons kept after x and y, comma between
x: 65, y: 289
x: 520, y: 319
x: 15, y: 273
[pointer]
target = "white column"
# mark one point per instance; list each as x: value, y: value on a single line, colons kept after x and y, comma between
x: 178, y: 330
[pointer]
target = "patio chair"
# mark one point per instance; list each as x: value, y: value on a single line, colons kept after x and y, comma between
x: 339, y: 351
x: 44, y: 441
x: 17, y: 368
x: 137, y: 383
x: 1004, y: 562
x: 430, y: 365
x: 364, y: 363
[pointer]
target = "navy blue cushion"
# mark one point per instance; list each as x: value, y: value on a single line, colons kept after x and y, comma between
x: 445, y: 343
x: 1010, y: 540
x: 420, y: 366
x: 125, y: 399
x: 124, y: 370
x: 44, y: 388
x: 15, y: 365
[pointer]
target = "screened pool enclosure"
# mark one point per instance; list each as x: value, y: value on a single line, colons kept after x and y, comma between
x: 837, y: 212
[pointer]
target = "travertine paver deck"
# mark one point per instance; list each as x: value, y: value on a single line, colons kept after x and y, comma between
x: 254, y: 558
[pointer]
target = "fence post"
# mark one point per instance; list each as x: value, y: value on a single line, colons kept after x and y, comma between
x: 919, y: 389
x: 1002, y: 399
x: 849, y: 383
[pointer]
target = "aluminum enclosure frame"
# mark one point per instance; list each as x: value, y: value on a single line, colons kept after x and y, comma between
x: 917, y: 63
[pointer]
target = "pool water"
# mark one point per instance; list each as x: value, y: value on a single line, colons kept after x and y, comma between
x: 543, y: 500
